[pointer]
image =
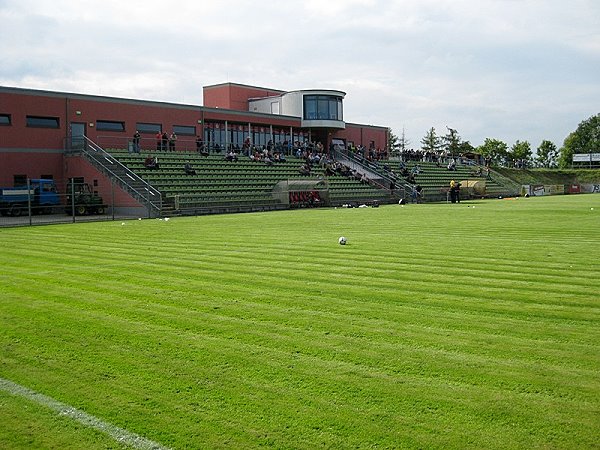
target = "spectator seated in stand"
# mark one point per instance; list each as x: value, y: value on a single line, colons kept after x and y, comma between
x: 188, y: 169
x: 452, y: 165
x: 256, y: 156
x: 200, y: 148
x: 231, y: 156
x: 304, y: 169
x: 329, y: 171
x: 346, y: 171
x: 151, y: 163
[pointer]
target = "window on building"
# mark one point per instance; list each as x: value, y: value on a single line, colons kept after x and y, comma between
x: 149, y: 127
x: 322, y: 107
x: 214, y: 135
x: 20, y: 180
x: 237, y: 135
x: 261, y: 136
x: 310, y: 107
x: 42, y: 122
x: 5, y: 119
x: 109, y: 125
x: 47, y: 177
x: 184, y: 130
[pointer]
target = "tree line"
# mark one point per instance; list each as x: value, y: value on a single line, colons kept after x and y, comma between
x: 585, y: 139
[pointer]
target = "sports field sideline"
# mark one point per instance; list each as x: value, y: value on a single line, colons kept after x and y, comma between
x: 475, y: 325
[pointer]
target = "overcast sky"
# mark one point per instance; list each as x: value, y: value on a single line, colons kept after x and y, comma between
x: 505, y: 69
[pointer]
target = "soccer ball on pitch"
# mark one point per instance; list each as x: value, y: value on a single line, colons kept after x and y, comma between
x: 342, y: 240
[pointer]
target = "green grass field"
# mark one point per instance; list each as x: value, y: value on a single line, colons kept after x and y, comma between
x: 474, y: 325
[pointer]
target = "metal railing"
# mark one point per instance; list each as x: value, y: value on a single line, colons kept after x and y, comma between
x: 378, y: 176
x: 131, y: 182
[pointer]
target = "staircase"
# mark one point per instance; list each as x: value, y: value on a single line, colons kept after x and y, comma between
x: 126, y: 179
x: 375, y: 173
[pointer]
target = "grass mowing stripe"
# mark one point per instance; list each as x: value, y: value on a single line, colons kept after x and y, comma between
x: 278, y: 336
x: 259, y: 330
x: 119, y: 434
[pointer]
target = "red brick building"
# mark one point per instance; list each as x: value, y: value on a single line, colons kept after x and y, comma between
x: 36, y: 127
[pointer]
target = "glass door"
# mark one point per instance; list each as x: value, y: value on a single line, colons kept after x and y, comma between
x: 77, y: 135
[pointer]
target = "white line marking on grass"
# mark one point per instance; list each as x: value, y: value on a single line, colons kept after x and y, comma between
x: 119, y: 434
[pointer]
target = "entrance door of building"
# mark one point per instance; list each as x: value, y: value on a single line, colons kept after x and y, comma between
x: 77, y: 135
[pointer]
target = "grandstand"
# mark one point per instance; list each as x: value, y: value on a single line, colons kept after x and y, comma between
x: 435, y: 178
x: 221, y: 186
x: 435, y: 181
x: 244, y: 185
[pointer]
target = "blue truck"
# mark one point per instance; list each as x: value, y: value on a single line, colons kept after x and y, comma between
x: 41, y: 196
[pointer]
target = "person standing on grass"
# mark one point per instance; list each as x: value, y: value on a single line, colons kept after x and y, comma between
x: 453, y: 191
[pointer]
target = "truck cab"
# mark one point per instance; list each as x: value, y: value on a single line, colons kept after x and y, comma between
x: 41, y: 195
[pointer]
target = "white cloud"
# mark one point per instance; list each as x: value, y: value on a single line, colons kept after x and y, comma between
x: 509, y: 69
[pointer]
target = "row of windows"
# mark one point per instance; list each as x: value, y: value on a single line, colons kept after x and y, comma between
x: 153, y: 128
x: 214, y: 134
x: 101, y: 125
x: 316, y: 107
x: 33, y: 121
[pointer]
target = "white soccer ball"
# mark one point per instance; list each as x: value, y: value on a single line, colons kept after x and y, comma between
x: 342, y: 240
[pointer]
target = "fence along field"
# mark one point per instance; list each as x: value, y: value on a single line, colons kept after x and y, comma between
x: 474, y: 325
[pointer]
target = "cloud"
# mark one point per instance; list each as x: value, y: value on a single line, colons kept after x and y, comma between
x: 491, y: 68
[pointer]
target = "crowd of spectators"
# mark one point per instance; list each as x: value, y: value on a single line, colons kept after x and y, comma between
x: 313, y: 154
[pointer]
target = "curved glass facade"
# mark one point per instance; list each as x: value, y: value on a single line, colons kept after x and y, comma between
x: 323, y: 107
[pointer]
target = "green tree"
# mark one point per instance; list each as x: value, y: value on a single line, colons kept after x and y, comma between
x: 547, y: 152
x: 493, y: 150
x: 519, y: 154
x: 452, y: 142
x: 392, y: 142
x: 585, y: 139
x: 397, y: 144
x: 431, y: 142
